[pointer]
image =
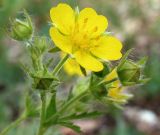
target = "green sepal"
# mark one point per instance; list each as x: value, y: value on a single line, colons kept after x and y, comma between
x: 83, y: 70
x: 104, y: 72
x: 143, y: 81
x: 142, y: 62
x: 124, y: 58
x: 44, y: 80
x: 54, y: 50
x: 28, y: 19
x: 21, y: 29
x: 107, y: 33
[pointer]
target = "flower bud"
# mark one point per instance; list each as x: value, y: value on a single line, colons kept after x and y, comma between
x: 21, y: 30
x: 129, y: 73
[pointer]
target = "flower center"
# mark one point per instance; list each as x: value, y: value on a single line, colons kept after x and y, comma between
x: 81, y: 36
x: 80, y: 39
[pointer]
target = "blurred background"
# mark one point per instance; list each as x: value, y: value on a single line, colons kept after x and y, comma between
x: 135, y: 22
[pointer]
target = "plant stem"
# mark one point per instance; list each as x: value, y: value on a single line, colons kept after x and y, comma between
x: 12, y: 125
x: 69, y: 103
x: 43, y: 114
x: 60, y: 64
x: 73, y: 100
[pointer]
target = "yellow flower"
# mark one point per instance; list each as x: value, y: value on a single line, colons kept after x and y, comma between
x: 116, y: 91
x: 83, y: 36
x: 72, y: 67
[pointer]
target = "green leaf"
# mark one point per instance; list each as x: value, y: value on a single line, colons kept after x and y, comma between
x: 51, y: 109
x: 72, y: 126
x: 81, y: 115
x: 54, y: 50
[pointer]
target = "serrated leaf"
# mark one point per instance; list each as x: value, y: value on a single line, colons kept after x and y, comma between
x: 71, y: 126
x: 54, y: 50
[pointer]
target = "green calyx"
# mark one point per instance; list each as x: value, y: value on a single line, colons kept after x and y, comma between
x: 21, y: 30
x: 129, y: 72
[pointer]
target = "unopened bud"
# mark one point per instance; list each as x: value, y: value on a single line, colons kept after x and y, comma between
x: 21, y: 30
x: 130, y: 72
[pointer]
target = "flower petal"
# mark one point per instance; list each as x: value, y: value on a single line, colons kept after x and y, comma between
x: 112, y: 75
x: 63, y: 17
x: 87, y: 61
x: 91, y: 22
x: 108, y: 48
x: 61, y: 41
x: 72, y: 67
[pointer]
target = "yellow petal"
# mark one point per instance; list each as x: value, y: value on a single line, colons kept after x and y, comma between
x: 92, y: 23
x: 118, y: 95
x: 63, y: 17
x: 72, y: 67
x: 111, y: 75
x: 61, y: 41
x: 115, y: 93
x: 107, y: 47
x: 88, y: 62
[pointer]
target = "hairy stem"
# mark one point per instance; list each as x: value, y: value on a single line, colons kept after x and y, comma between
x: 42, y: 129
x: 60, y: 64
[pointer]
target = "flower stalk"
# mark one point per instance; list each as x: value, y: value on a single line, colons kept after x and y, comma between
x: 60, y: 65
x: 43, y: 114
